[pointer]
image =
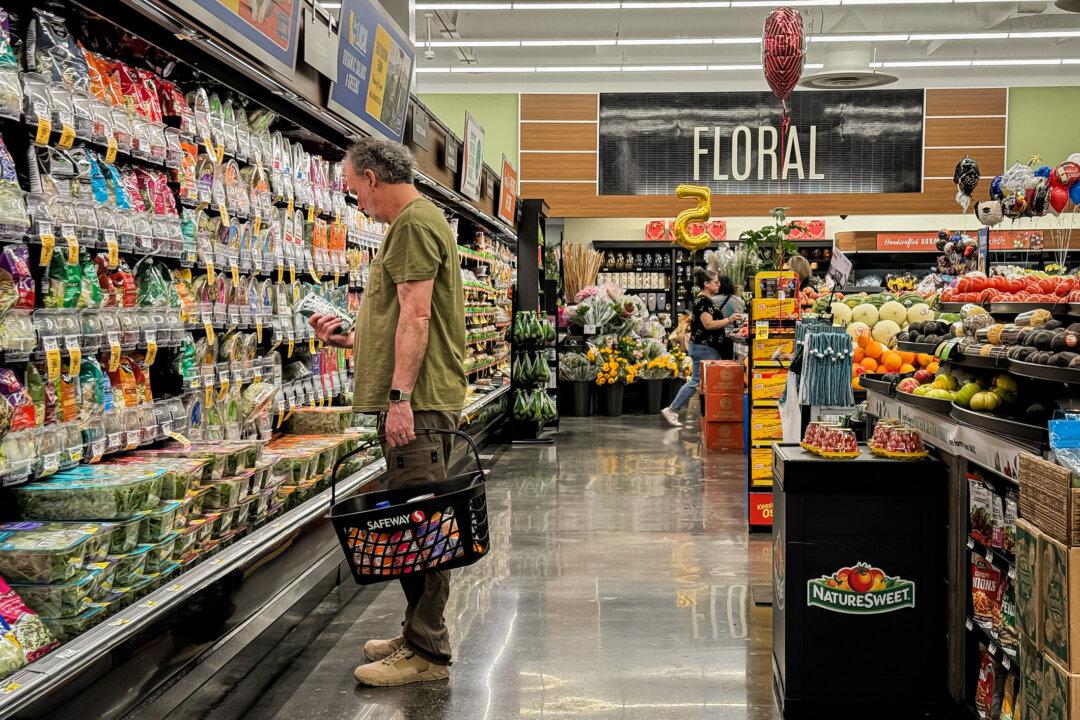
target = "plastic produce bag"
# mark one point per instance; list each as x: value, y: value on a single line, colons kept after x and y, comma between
x: 53, y: 52
x: 62, y: 283
x: 23, y: 629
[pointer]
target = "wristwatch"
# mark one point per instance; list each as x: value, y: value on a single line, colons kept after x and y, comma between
x: 397, y: 396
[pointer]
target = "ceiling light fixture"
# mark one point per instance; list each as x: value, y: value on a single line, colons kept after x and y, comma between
x: 565, y: 43
x: 665, y: 68
x: 479, y: 69
x: 960, y: 36
x: 667, y: 41
x: 658, y: 4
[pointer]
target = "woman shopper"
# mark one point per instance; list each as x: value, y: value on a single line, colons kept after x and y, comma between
x: 708, y: 339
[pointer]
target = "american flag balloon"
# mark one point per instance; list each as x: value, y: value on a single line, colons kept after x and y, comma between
x: 783, y: 53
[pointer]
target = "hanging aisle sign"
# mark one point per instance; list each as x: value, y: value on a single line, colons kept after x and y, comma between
x: 472, y: 158
x: 269, y: 31
x: 851, y: 141
x: 508, y: 191
x: 375, y: 68
x: 927, y: 241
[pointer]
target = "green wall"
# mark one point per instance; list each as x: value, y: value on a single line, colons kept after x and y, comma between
x: 497, y: 113
x: 1043, y: 120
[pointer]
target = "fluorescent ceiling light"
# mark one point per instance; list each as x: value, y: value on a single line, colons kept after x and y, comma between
x: 960, y: 36
x: 885, y: 37
x: 568, y: 6
x: 1044, y: 34
x: 1014, y: 61
x: 464, y: 6
x: 921, y: 63
x: 659, y: 4
x: 678, y: 4
x: 577, y: 68
x: 465, y: 42
x: 665, y: 41
x: 772, y: 3
x: 737, y: 41
x: 665, y: 68
x: 471, y: 69
x: 565, y: 43
x: 433, y: 70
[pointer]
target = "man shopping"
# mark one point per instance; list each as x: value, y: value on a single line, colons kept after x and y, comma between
x: 409, y: 347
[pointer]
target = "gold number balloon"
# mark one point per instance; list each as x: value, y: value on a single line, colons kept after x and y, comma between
x: 700, y: 213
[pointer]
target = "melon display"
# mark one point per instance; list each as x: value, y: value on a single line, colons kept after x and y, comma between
x: 884, y: 330
x: 894, y: 311
x: 865, y: 313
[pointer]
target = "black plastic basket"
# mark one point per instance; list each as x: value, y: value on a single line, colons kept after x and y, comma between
x: 412, y: 538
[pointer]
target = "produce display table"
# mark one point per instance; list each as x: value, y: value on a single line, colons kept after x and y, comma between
x: 858, y: 570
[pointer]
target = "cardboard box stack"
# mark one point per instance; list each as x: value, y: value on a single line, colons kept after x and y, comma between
x: 1048, y: 591
x: 723, y: 387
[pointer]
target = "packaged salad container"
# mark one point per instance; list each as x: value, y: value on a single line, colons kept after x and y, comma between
x: 160, y: 554
x: 226, y: 492
x: 130, y: 566
x: 59, y: 600
x: 96, y: 547
x: 43, y: 555
x: 205, y: 533
x: 106, y: 496
x: 223, y: 522
x: 125, y: 534
x: 192, y: 506
x: 158, y: 524
x: 104, y: 573
x: 158, y: 579
x: 186, y: 539
x: 64, y: 629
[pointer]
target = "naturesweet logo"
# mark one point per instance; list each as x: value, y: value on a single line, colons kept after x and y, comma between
x: 860, y: 590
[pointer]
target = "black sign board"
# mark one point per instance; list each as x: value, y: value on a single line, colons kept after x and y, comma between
x: 850, y: 141
x: 419, y: 127
x: 450, y: 154
x: 489, y: 185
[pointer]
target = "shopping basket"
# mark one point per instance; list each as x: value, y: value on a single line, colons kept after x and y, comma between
x: 402, y: 538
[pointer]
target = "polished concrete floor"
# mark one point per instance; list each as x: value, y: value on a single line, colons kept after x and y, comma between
x: 619, y: 588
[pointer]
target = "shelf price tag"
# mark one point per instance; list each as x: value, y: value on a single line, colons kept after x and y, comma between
x: 113, y: 248
x: 292, y: 346
x: 44, y: 130
x: 71, y: 342
x: 211, y: 276
x: 97, y: 449
x: 208, y: 395
x: 208, y: 326
x: 235, y: 270
x: 258, y: 224
x: 67, y: 137
x: 48, y: 243
x: 761, y: 330
x: 590, y: 330
x: 52, y: 357
x: 311, y: 344
x: 220, y: 152
x: 292, y: 273
x: 280, y: 271
x: 72, y: 244
x: 110, y: 152
x: 292, y: 205
x: 10, y: 688
x: 311, y: 213
x: 151, y: 346
x: 224, y: 212
x: 258, y: 330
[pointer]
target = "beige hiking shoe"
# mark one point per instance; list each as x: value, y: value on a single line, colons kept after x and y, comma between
x: 376, y: 650
x: 401, y: 668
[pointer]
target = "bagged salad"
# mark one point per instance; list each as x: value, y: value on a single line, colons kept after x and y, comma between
x: 23, y: 637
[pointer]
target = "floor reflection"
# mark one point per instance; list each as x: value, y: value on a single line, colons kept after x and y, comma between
x: 619, y: 587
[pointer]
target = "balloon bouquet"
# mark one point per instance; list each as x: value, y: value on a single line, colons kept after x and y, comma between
x: 1022, y: 191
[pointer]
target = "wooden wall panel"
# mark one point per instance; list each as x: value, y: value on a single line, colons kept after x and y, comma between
x: 558, y: 166
x: 967, y: 101
x: 964, y: 132
x: 558, y: 107
x: 558, y: 136
x: 942, y: 163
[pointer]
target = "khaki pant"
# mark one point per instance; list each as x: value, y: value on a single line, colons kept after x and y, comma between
x: 422, y: 461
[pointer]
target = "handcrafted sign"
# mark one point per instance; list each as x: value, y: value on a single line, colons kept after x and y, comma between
x: 860, y: 590
x: 375, y: 67
x: 851, y: 141
x: 270, y: 28
x: 927, y: 241
x: 508, y: 192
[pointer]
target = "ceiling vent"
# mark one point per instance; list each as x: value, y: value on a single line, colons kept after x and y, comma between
x: 847, y: 69
x: 1069, y: 5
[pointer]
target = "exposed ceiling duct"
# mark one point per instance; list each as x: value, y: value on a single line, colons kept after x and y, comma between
x: 845, y: 69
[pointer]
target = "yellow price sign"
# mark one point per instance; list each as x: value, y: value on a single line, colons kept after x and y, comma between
x: 180, y: 438
x: 292, y: 273
x: 224, y: 212
x: 211, y: 276
x: 67, y: 137
x: 295, y: 292
x: 281, y: 414
x: 209, y: 396
x: 224, y: 386
x: 113, y: 250
x: 114, y: 355
x: 280, y: 272
x: 235, y: 273
x: 311, y: 344
x: 75, y: 356
x: 73, y: 250
x: 292, y: 206
x: 209, y: 328
x: 258, y: 330
x: 48, y: 244
x: 292, y: 346
x: 151, y: 351
x: 311, y: 213
x: 209, y: 144
x: 44, y: 129
x: 761, y: 330
x: 258, y: 224
x: 220, y: 152
x: 110, y: 152
x: 52, y: 357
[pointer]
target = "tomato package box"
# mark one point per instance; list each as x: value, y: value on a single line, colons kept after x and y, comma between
x: 722, y: 435
x: 723, y: 407
x: 768, y: 384
x: 761, y: 460
x: 722, y: 376
x: 1048, y: 499
x: 1028, y: 583
x: 767, y: 348
x: 1060, y: 692
x: 1060, y: 602
x: 765, y: 424
x: 1031, y: 679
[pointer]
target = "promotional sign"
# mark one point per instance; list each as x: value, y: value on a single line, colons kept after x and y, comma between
x: 860, y: 590
x: 850, y: 141
x: 839, y: 267
x: 419, y: 124
x: 270, y: 28
x: 375, y: 68
x: 508, y: 190
x: 472, y: 158
x: 927, y: 241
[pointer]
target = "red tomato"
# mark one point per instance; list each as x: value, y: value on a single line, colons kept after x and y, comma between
x: 947, y: 295
x: 1016, y: 285
x: 988, y: 295
x: 861, y: 579
x: 963, y: 285
x: 1047, y: 285
x: 999, y: 283
x: 978, y: 284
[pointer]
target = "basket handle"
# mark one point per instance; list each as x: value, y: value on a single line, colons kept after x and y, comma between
x: 379, y: 438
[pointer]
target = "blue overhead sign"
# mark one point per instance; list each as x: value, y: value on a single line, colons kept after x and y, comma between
x: 270, y: 26
x: 375, y: 67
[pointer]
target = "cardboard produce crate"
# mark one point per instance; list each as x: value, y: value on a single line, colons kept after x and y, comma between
x: 722, y: 376
x: 722, y: 435
x: 1028, y: 583
x: 723, y: 407
x: 1060, y: 602
x: 1031, y: 678
x: 1048, y: 499
x: 1060, y: 693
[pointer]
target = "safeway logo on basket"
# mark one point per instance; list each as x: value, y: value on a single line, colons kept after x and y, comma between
x: 388, y: 522
x: 418, y: 516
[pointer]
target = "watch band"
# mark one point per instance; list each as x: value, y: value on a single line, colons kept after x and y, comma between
x: 399, y: 396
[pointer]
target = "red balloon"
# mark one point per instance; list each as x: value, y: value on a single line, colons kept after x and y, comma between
x: 1067, y: 173
x: 1059, y: 198
x: 783, y: 51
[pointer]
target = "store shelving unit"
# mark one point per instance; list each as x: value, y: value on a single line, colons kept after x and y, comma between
x: 773, y: 314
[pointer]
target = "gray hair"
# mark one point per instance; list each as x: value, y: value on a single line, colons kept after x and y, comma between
x: 390, y: 161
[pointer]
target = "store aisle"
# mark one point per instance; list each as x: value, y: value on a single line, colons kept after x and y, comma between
x: 619, y: 587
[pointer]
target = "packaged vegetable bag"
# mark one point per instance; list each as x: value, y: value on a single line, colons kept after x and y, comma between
x: 20, y: 625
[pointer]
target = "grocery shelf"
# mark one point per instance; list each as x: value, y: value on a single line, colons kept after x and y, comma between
x: 998, y: 557
x: 80, y: 654
x: 492, y: 364
x: 1009, y: 662
x: 480, y: 402
x: 989, y: 450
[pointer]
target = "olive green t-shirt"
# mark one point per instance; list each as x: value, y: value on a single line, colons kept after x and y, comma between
x: 419, y: 246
